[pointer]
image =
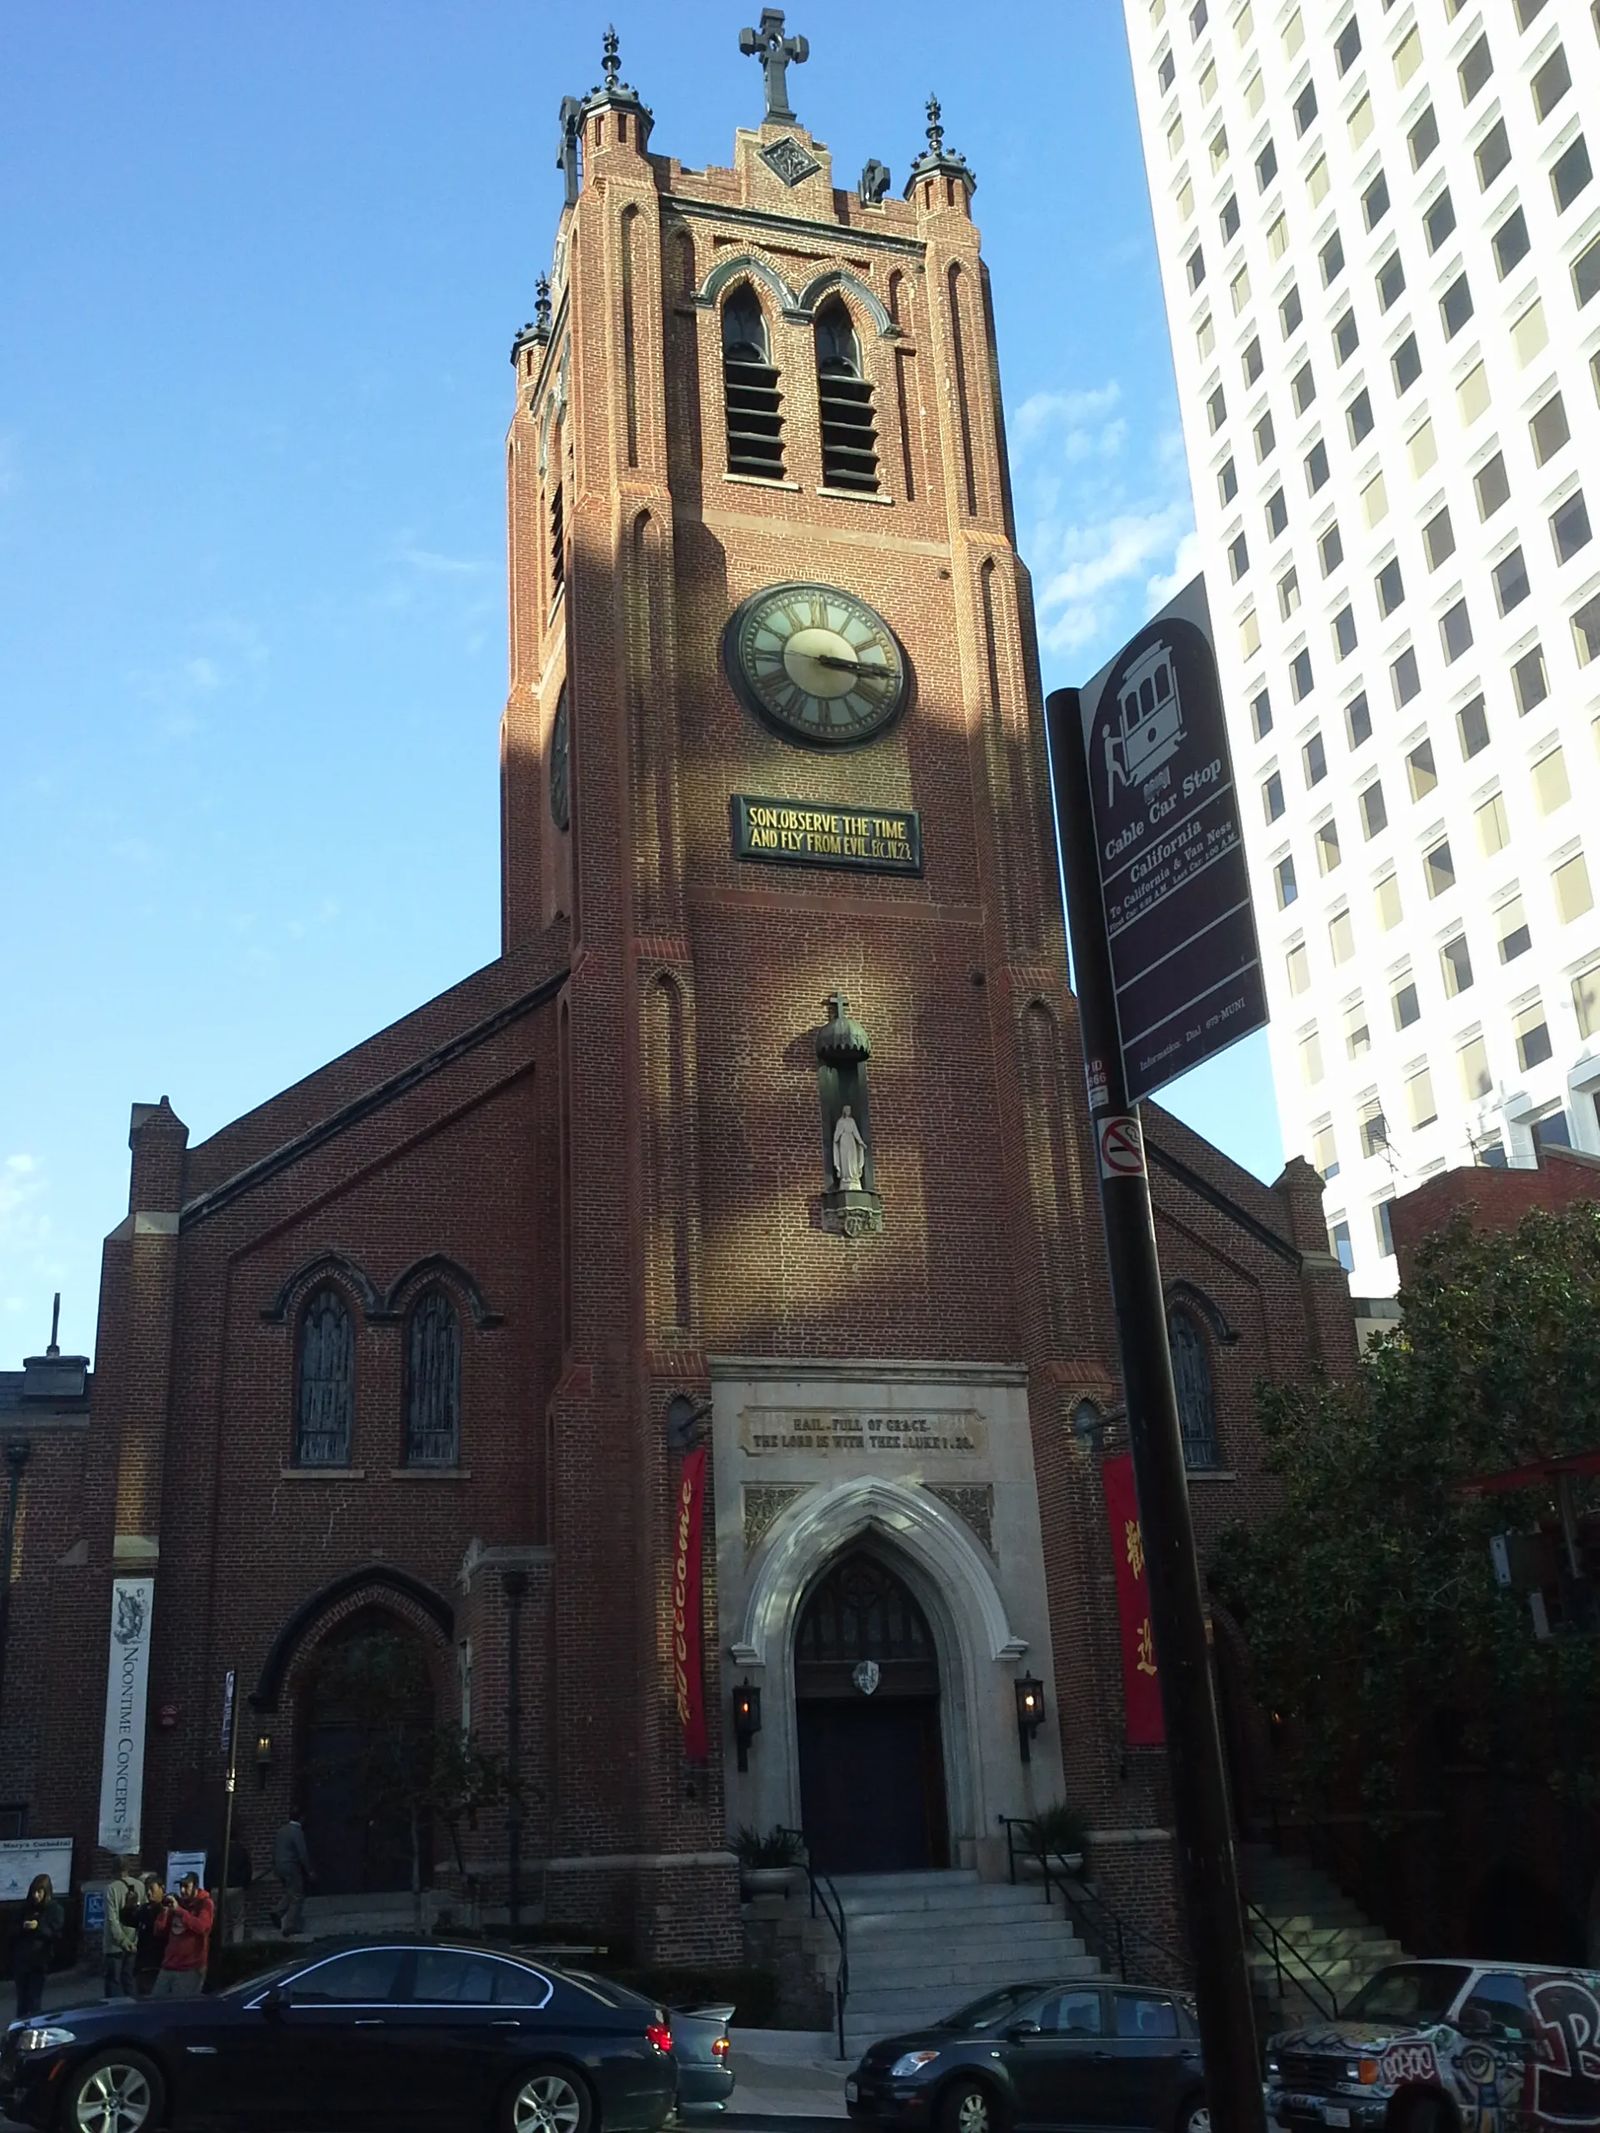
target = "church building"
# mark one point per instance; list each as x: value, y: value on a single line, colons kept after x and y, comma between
x: 690, y: 1332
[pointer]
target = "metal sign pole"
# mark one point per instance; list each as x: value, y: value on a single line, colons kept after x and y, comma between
x: 1208, y: 1872
x: 230, y: 1729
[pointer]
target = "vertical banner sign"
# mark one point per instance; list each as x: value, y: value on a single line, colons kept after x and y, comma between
x: 1141, y: 1683
x: 1184, y: 961
x: 229, y: 1683
x: 127, y: 1686
x: 688, y: 1670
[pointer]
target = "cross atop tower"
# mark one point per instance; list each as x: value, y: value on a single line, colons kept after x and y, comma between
x: 775, y: 52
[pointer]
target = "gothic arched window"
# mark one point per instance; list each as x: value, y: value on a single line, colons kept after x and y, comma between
x: 750, y: 389
x: 1191, y: 1369
x: 844, y: 399
x: 325, y: 1391
x: 433, y: 1382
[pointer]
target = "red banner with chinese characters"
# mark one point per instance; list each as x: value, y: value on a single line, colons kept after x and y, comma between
x: 1141, y: 1684
x: 688, y: 1671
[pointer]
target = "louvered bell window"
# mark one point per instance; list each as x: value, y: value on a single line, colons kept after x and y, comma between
x: 750, y: 388
x: 849, y: 427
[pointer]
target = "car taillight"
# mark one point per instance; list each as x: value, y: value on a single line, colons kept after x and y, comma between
x: 720, y: 2047
x: 658, y: 2036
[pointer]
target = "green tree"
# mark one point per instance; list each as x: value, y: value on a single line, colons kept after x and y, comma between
x: 1368, y: 1600
x: 405, y: 1768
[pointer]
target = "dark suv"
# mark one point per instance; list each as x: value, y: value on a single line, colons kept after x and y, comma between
x: 1078, y: 2054
x: 1445, y: 2044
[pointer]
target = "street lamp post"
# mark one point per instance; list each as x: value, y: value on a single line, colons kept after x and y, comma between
x: 514, y: 1584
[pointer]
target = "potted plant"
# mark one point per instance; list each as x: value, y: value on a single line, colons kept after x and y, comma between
x: 767, y: 1859
x: 1056, y: 1835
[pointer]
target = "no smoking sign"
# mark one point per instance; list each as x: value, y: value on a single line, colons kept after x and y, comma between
x: 1121, y: 1147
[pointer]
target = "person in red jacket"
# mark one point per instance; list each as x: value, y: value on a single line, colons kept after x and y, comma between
x: 184, y: 1929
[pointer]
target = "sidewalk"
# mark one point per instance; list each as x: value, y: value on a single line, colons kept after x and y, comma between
x: 788, y: 2074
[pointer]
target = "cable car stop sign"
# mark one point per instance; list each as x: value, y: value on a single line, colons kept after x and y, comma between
x: 1184, y: 958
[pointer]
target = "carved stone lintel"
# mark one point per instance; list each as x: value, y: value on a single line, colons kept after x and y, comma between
x: 852, y: 1214
x: 761, y: 1506
x: 973, y: 1504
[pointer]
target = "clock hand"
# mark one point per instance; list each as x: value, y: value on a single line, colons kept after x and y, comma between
x: 848, y: 666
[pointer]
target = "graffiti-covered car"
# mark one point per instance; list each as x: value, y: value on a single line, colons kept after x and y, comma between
x: 1431, y: 2046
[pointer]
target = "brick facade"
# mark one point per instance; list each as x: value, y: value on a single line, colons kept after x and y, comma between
x: 604, y: 1147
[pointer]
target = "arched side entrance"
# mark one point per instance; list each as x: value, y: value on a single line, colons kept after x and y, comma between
x: 867, y: 1723
x: 365, y: 1705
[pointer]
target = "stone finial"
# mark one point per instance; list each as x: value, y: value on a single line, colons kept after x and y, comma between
x: 608, y: 94
x: 874, y: 182
x: 777, y: 54
x: 936, y: 159
x: 541, y: 307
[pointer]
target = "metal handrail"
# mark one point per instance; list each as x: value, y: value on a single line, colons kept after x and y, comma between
x: 1099, y: 1923
x: 825, y: 1898
x: 1280, y: 1947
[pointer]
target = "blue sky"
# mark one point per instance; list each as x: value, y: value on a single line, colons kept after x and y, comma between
x: 262, y: 267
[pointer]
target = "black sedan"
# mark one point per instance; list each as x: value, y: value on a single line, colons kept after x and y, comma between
x: 385, y: 2033
x: 1088, y: 2054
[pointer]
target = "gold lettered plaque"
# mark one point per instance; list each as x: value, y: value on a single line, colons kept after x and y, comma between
x: 810, y: 833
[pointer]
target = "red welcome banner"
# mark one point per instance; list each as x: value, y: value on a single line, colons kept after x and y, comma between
x: 1141, y: 1683
x: 688, y: 1672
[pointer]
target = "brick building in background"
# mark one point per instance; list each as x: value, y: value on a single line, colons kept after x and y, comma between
x: 400, y: 1345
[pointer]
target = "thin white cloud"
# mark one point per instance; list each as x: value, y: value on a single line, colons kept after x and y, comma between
x: 432, y: 563
x: 1095, y: 565
x: 1186, y: 564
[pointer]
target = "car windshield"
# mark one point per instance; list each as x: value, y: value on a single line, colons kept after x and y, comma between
x: 991, y: 2010
x: 1407, y: 1992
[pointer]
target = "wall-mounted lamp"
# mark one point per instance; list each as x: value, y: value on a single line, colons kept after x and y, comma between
x: 686, y: 1420
x: 263, y: 1758
x: 746, y: 1719
x: 1030, y: 1712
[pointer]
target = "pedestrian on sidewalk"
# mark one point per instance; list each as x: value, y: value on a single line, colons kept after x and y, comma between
x: 147, y: 1956
x: 34, y: 1943
x: 291, y: 1862
x: 124, y: 1902
x: 185, y: 1930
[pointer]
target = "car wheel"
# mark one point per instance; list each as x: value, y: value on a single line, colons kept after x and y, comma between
x: 120, y: 2092
x: 969, y: 2107
x: 1194, y: 2115
x: 547, y: 2099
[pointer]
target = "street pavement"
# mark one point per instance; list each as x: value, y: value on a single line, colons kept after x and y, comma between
x: 786, y: 2081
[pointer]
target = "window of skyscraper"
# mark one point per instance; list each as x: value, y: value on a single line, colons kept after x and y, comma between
x: 1570, y: 173
x: 1552, y: 82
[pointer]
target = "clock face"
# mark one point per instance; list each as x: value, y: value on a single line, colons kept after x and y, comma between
x: 817, y: 664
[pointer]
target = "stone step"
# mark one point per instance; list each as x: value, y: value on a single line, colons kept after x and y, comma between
x: 885, y: 1950
x: 952, y: 1966
x: 939, y: 1877
x: 976, y: 1918
x: 971, y: 1896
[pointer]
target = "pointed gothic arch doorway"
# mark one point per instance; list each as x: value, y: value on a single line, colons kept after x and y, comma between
x: 867, y: 1720
x: 366, y: 1706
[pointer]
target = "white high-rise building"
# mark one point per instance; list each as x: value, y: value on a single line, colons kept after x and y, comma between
x: 1379, y: 230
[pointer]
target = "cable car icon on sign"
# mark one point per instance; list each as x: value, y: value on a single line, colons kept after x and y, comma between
x: 1147, y: 729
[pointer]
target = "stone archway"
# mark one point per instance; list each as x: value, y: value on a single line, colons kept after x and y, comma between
x: 366, y: 1695
x: 933, y: 1555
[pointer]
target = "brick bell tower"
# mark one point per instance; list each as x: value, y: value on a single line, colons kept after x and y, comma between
x: 773, y: 753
